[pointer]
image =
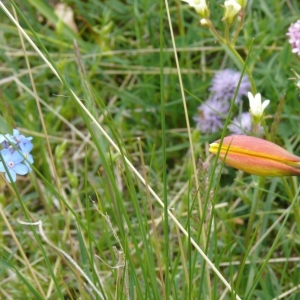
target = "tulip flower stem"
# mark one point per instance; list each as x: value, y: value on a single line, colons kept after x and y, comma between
x: 296, y: 209
x: 249, y: 238
x: 291, y: 192
x: 254, y: 206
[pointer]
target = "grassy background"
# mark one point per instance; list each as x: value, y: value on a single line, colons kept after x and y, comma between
x: 93, y: 207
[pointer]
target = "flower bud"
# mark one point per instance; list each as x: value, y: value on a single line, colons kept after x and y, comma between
x: 232, y: 8
x: 200, y: 7
x: 256, y: 156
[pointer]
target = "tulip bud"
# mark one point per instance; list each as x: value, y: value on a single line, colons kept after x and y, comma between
x: 256, y: 156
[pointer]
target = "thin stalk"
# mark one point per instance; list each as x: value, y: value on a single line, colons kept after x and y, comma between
x: 226, y: 33
x: 195, y: 173
x: 239, y: 28
x: 254, y: 206
x: 249, y: 231
x: 291, y: 194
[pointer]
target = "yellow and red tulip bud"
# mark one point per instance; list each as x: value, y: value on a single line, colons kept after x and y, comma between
x: 256, y: 156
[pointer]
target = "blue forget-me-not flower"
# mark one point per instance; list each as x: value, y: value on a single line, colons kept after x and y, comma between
x: 16, y: 157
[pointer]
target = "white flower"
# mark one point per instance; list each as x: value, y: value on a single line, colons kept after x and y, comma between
x: 256, y: 107
x: 200, y: 7
x: 232, y: 8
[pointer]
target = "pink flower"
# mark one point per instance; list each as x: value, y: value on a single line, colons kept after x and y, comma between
x: 294, y: 34
x: 211, y: 114
x: 225, y: 82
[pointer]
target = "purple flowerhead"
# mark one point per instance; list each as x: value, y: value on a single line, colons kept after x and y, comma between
x: 294, y: 34
x: 211, y: 115
x: 241, y: 124
x: 13, y: 162
x: 225, y: 83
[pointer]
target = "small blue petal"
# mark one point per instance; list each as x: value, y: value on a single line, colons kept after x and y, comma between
x: 16, y: 157
x: 2, y: 169
x: 10, y: 139
x: 30, y: 158
x: 21, y: 169
x: 26, y: 147
x: 6, y: 155
x: 16, y: 132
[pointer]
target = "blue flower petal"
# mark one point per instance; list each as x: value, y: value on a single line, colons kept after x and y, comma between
x: 21, y: 169
x: 6, y: 155
x: 28, y: 159
x: 26, y: 147
x: 2, y: 169
x: 16, y: 132
x: 16, y: 157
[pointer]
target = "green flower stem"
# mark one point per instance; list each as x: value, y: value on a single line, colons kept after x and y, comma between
x: 226, y: 34
x: 296, y: 209
x: 290, y: 190
x: 267, y: 134
x: 254, y: 206
x: 239, y: 28
x: 217, y: 35
x: 249, y: 232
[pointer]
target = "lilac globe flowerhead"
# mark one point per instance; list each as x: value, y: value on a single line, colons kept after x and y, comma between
x: 241, y: 124
x: 211, y: 115
x: 294, y: 34
x: 225, y: 83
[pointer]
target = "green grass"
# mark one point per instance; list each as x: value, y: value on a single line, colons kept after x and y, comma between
x: 127, y: 211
